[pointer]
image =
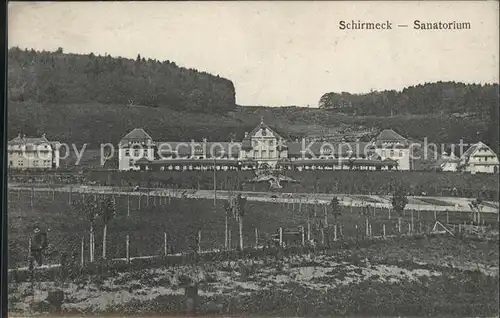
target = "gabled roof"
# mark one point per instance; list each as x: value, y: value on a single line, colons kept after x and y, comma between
x: 390, y: 135
x: 478, y: 146
x: 246, y: 141
x: 22, y: 140
x: 137, y: 134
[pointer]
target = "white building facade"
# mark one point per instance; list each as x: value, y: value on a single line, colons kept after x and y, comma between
x: 479, y: 158
x: 262, y: 148
x: 33, y: 153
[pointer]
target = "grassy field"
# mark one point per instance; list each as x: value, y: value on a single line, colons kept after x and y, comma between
x: 181, y: 219
x: 434, y: 276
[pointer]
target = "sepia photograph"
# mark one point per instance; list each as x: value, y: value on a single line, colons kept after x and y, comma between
x: 253, y: 158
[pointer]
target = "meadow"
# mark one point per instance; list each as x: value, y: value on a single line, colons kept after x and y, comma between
x: 148, y: 220
x: 434, y: 276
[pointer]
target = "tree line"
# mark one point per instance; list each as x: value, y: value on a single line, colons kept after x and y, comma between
x: 429, y: 98
x: 56, y: 77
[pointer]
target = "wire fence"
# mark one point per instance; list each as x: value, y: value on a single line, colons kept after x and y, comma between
x: 150, y: 225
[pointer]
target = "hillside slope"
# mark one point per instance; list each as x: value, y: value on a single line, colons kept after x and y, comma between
x: 55, y: 77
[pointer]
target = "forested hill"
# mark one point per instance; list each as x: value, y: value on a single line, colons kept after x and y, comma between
x: 473, y: 100
x: 55, y: 77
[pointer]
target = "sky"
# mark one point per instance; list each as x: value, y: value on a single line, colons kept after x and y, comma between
x: 276, y: 53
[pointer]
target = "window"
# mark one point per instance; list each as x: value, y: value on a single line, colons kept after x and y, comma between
x: 10, y: 163
x: 20, y: 163
x: 255, y: 152
x: 401, y: 153
x: 145, y: 152
x: 485, y: 158
x: 127, y: 152
x: 136, y: 152
x: 392, y: 153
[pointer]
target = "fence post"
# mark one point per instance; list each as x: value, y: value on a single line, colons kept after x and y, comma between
x: 389, y: 213
x: 82, y: 250
x: 70, y: 194
x: 147, y: 198
x: 199, y: 241
x: 367, y: 230
x: 322, y: 236
x: 420, y: 225
x: 140, y: 195
x: 309, y: 231
x: 303, y: 236
x: 447, y: 218
x: 340, y: 231
x: 165, y: 248
x: 31, y: 197
x: 370, y: 229
x: 53, y: 194
x: 29, y: 252
x: 435, y: 214
x: 127, y: 244
x: 256, y: 237
x: 128, y: 204
x: 399, y: 225
x: 409, y: 229
x: 281, y: 236
x: 229, y: 238
x: 19, y: 193
x: 335, y: 232
x: 326, y: 215
x: 383, y: 231
x: 411, y: 214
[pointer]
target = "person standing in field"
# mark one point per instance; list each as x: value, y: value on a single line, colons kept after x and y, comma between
x: 38, y: 245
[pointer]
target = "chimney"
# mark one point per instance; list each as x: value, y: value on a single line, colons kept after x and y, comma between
x: 204, y: 140
x: 18, y: 135
x: 246, y: 134
x: 43, y: 135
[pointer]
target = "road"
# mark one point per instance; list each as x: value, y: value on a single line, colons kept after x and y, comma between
x: 383, y: 202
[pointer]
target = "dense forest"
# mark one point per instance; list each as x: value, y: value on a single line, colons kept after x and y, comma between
x: 429, y: 98
x: 56, y: 77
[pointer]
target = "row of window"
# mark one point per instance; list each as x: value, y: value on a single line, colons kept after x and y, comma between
x: 392, y: 153
x: 36, y: 163
x: 136, y: 152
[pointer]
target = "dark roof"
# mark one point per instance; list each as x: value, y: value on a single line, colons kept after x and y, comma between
x: 355, y: 162
x: 190, y: 148
x: 246, y: 144
x: 330, y: 148
x: 390, y: 135
x: 263, y: 125
x: 208, y: 162
x: 143, y: 161
x: 20, y: 140
x: 473, y: 148
x: 138, y: 134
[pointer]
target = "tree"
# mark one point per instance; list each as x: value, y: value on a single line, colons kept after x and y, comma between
x: 399, y: 200
x: 240, y: 211
x: 476, y: 207
x: 335, y: 208
x: 88, y: 210
x: 108, y: 212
